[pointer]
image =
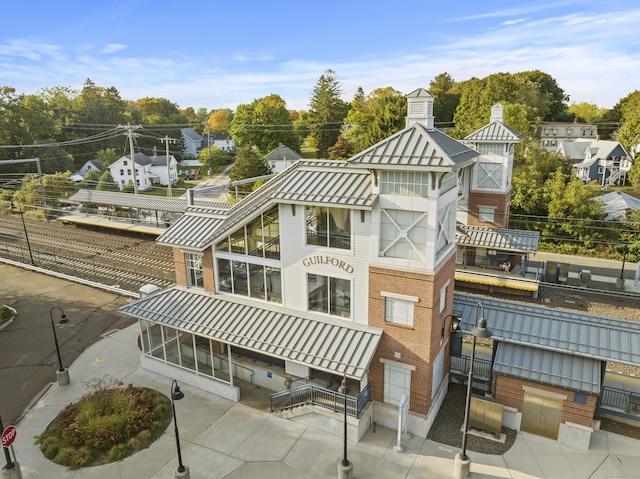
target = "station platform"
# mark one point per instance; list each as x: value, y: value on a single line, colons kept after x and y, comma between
x: 109, y: 222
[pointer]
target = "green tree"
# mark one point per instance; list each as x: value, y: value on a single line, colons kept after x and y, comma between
x: 587, y: 112
x: 219, y: 121
x: 90, y: 180
x: 249, y: 164
x: 326, y: 113
x: 264, y: 123
x: 446, y: 102
x: 107, y: 156
x: 572, y: 210
x: 375, y: 117
x: 555, y: 98
x: 530, y: 173
x: 214, y: 157
x: 106, y: 183
x: 56, y: 188
x: 629, y: 133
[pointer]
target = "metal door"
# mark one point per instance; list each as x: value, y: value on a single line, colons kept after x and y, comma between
x: 541, y: 415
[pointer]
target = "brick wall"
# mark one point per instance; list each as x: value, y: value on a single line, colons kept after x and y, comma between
x: 509, y: 391
x: 499, y: 201
x: 181, y: 270
x: 419, y: 345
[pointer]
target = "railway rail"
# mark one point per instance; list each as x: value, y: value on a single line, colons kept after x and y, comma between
x: 128, y: 260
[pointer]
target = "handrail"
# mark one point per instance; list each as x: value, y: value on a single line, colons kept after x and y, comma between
x: 319, y: 396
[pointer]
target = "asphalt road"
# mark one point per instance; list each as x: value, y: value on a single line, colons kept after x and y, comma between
x: 28, y: 360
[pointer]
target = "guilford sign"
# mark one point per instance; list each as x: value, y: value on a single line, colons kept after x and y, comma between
x: 338, y: 263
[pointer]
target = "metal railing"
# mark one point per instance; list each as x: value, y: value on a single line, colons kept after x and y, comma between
x: 459, y: 367
x: 626, y: 401
x: 319, y: 396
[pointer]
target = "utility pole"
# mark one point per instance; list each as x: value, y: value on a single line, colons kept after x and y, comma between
x: 133, y: 161
x: 166, y: 140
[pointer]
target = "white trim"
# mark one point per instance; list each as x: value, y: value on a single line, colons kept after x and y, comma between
x: 543, y: 393
x: 396, y: 363
x: 403, y: 297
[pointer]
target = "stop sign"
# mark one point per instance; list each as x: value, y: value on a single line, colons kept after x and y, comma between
x: 9, y: 435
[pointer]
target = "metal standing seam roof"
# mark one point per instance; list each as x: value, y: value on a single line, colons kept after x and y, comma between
x: 339, y: 347
x: 522, y: 241
x: 129, y: 200
x: 571, y: 332
x: 495, y: 131
x: 550, y: 367
x: 416, y: 146
x: 190, y: 231
x: 340, y: 188
x: 282, y: 186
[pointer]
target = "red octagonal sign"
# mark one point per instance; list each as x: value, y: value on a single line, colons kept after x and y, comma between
x: 9, y: 435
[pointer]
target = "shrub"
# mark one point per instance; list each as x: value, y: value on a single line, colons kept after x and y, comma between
x: 119, y: 452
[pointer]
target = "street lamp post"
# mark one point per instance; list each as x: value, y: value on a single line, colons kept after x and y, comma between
x: 624, y: 260
x: 182, y: 471
x: 13, y: 207
x: 462, y: 463
x: 62, y: 373
x: 345, y: 468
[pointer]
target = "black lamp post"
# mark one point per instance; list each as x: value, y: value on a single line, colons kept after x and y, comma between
x: 176, y: 395
x: 63, y: 320
x: 455, y: 321
x: 13, y: 207
x: 624, y: 259
x: 345, y: 468
x: 462, y: 463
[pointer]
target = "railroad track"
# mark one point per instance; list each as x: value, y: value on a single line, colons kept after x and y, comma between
x: 111, y: 258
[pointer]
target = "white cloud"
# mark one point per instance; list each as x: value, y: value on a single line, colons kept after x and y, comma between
x: 112, y: 48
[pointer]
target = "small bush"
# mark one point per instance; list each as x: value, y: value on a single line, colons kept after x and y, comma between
x: 119, y: 452
x: 106, y: 424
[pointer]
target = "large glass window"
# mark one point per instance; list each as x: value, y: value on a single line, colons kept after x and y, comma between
x: 248, y: 279
x: 329, y: 295
x: 489, y: 175
x: 329, y: 227
x: 260, y: 237
x: 406, y: 183
x: 193, y: 264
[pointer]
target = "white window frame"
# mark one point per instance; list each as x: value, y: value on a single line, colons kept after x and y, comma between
x: 195, y: 277
x: 487, y: 214
x: 399, y: 308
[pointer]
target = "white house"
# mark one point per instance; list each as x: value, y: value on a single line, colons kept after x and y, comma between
x: 149, y: 171
x: 94, y: 165
x: 604, y: 161
x: 281, y: 158
x: 551, y: 134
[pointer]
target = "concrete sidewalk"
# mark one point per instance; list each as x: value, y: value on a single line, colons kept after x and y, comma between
x: 222, y: 439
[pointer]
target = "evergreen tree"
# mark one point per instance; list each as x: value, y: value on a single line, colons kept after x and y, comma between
x: 327, y: 112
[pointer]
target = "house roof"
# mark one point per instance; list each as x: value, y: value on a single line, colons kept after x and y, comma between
x: 414, y: 147
x: 283, y: 153
x: 573, y: 150
x: 95, y: 163
x: 336, y: 346
x: 161, y: 160
x: 420, y: 93
x: 617, y: 204
x: 575, y: 333
x: 598, y: 150
x: 549, y: 367
x: 496, y: 131
x: 191, y: 135
x: 522, y: 241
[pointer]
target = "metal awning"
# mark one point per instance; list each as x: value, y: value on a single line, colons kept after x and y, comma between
x: 511, y: 282
x: 335, y: 346
x: 541, y: 327
x: 518, y: 241
x: 548, y: 367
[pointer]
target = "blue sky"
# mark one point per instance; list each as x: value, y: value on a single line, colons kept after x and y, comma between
x: 221, y: 54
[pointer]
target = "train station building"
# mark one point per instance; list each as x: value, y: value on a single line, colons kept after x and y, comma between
x: 339, y: 270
